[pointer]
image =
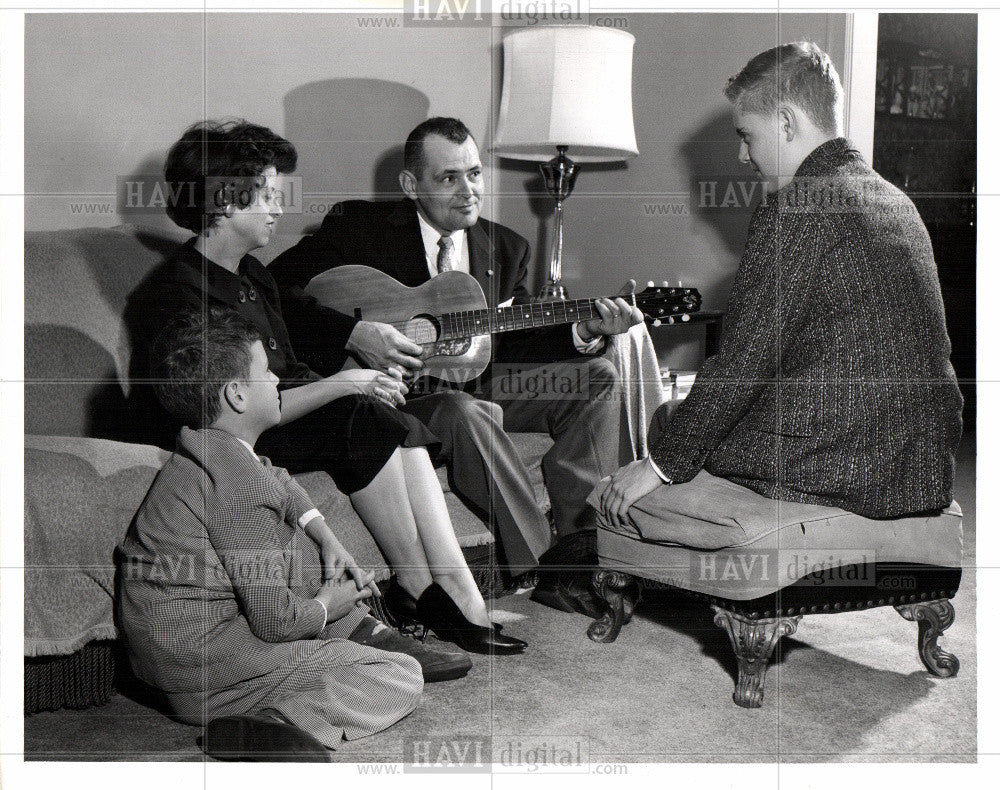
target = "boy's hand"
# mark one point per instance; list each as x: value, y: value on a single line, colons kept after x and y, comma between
x: 340, y: 597
x: 338, y: 564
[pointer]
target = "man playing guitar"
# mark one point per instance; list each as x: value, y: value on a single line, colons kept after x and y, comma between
x: 436, y: 229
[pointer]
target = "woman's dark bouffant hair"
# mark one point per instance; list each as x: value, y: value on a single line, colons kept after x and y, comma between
x: 218, y: 164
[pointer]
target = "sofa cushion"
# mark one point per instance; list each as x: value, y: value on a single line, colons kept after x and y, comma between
x: 81, y: 495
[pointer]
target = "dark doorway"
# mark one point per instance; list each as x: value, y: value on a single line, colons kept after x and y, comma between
x: 925, y: 143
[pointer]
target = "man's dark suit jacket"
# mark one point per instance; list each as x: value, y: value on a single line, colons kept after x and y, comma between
x: 386, y: 236
x: 832, y: 384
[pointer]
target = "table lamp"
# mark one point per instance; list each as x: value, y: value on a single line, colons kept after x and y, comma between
x: 566, y: 89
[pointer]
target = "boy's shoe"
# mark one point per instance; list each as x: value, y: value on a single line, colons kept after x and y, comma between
x: 437, y: 663
x: 262, y: 737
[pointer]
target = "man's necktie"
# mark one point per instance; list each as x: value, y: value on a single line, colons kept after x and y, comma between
x: 445, y: 261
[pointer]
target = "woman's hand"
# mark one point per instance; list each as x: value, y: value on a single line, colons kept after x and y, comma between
x: 387, y: 387
x: 626, y: 487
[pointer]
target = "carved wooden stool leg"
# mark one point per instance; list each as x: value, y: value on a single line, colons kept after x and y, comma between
x: 932, y: 618
x: 753, y: 642
x: 620, y: 593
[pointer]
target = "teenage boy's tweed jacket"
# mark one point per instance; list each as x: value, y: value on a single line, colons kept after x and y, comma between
x: 832, y: 384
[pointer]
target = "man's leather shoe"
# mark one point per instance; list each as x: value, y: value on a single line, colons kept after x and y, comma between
x: 568, y: 595
x: 262, y: 738
x: 436, y: 663
x: 564, y: 575
x: 441, y: 614
x: 576, y: 551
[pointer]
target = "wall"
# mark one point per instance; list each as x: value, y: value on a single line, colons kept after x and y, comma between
x: 107, y: 94
x: 645, y: 219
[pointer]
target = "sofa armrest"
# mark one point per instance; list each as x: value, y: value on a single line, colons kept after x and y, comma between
x: 80, y: 496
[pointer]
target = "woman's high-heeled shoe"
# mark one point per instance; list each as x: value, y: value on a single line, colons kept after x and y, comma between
x: 402, y: 606
x: 437, y: 610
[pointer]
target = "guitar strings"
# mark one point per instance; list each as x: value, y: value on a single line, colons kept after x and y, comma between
x: 464, y: 322
x: 467, y: 323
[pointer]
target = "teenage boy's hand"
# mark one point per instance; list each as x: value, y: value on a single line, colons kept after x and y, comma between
x: 340, y: 597
x: 626, y: 487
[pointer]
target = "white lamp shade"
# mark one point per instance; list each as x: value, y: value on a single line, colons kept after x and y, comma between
x: 567, y: 85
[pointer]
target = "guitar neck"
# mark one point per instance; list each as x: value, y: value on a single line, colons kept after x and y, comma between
x: 491, y: 321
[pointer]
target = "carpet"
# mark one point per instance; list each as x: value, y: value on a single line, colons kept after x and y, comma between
x: 845, y: 687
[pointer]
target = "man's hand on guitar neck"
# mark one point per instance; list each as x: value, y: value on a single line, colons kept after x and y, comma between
x: 383, y: 347
x: 617, y: 316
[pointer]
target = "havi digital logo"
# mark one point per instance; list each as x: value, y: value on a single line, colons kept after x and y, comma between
x: 445, y: 12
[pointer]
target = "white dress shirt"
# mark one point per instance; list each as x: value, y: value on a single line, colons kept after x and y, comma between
x: 431, y: 236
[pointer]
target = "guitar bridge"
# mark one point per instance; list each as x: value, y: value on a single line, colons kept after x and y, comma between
x: 447, y: 348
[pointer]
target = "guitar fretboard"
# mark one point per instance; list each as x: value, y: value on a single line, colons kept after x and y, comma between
x: 520, y: 316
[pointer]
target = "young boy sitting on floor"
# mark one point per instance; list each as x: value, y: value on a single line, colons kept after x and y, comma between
x: 222, y: 598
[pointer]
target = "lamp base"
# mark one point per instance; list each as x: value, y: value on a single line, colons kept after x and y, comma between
x: 552, y: 292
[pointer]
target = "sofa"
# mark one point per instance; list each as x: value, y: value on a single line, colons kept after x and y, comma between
x: 88, y: 467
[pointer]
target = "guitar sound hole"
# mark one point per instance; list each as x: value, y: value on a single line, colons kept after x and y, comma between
x: 421, y: 330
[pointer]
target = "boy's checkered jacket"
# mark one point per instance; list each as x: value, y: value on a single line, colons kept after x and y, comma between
x: 215, y: 592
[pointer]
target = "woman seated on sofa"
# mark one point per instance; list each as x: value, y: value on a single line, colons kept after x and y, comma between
x: 223, y: 180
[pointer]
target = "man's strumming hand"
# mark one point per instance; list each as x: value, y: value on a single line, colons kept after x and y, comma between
x: 382, y: 347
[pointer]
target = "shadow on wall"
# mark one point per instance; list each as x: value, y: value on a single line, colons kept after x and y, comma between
x: 541, y: 205
x: 340, y: 128
x: 77, y: 351
x: 724, y: 192
x: 65, y: 368
x: 141, y: 199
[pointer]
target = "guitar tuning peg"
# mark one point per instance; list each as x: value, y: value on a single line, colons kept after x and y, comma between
x: 657, y: 322
x: 666, y: 283
x: 680, y: 284
x: 650, y: 284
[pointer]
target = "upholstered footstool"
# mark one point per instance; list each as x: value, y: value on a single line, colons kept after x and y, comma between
x: 763, y: 564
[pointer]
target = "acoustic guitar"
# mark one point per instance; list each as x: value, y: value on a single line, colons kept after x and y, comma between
x: 448, y: 316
